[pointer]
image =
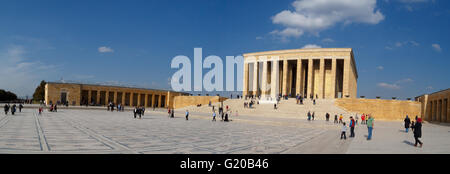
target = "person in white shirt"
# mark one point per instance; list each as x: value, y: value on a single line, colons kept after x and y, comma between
x: 344, y: 129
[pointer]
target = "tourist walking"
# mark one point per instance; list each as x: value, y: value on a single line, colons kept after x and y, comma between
x: 357, y: 118
x: 6, y: 108
x: 226, y: 117
x: 187, y: 115
x: 352, y: 127
x: 370, y: 124
x: 135, y: 111
x: 309, y: 116
x: 335, y: 119
x: 214, y: 116
x: 418, y: 132
x: 20, y: 107
x: 40, y: 110
x: 327, y: 116
x: 344, y: 129
x: 13, y: 109
x: 412, y: 125
x: 363, y: 118
x: 407, y: 123
x: 340, y: 118
x: 313, y: 116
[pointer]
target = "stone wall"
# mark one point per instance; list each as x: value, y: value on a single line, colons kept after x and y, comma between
x: 183, y: 101
x: 381, y: 109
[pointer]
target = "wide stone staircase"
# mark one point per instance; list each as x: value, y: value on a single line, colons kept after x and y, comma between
x: 286, y: 109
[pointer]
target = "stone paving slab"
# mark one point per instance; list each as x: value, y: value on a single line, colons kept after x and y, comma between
x: 104, y: 132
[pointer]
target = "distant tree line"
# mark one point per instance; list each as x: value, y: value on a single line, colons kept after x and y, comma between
x: 7, y: 95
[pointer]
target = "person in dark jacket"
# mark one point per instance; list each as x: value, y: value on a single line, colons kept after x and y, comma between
x: 6, y: 109
x: 13, y: 109
x: 418, y: 132
x: 407, y: 123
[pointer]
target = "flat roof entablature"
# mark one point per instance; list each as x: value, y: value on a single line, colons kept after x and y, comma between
x: 347, y: 52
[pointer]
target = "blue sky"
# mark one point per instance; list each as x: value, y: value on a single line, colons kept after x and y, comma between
x: 401, y: 46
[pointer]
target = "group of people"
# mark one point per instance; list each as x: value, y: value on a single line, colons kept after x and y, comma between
x: 53, y: 108
x: 13, y: 108
x: 171, y: 113
x: 416, y: 129
x: 249, y: 104
x: 111, y: 107
x: 352, y: 124
x: 139, y: 111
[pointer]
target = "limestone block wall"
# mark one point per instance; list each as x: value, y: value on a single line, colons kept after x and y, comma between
x: 183, y: 101
x: 53, y: 93
x: 381, y: 109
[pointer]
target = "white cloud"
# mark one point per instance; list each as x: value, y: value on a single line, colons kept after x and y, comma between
x: 436, y: 47
x: 327, y: 40
x: 313, y: 16
x: 389, y: 86
x: 311, y: 46
x: 19, y: 73
x: 105, y: 49
x: 402, y: 44
x: 380, y: 67
x: 259, y: 38
x: 395, y: 85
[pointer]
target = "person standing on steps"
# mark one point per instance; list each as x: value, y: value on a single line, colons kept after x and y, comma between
x: 418, y: 132
x: 343, y: 130
x: 352, y: 127
x: 407, y: 123
x: 370, y: 127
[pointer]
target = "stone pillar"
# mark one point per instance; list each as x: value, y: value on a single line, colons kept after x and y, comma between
x: 139, y: 100
x: 439, y: 110
x: 310, y: 89
x: 245, y: 87
x: 153, y: 99
x: 159, y: 100
x: 444, y: 110
x: 264, y: 81
x: 116, y: 100
x: 346, y: 80
x: 131, y: 98
x: 89, y: 97
x: 98, y: 97
x: 106, y: 97
x: 146, y: 100
x: 333, y: 78
x: 321, y: 84
x: 274, y: 80
x: 285, y: 78
x: 255, y: 78
x: 299, y: 82
x: 123, y: 98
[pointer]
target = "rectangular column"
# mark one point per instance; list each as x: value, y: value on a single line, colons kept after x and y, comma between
x: 274, y: 81
x: 285, y: 78
x: 245, y: 87
x: 89, y: 97
x: 106, y: 97
x: 146, y: 100
x: 153, y: 99
x: 346, y: 80
x: 264, y: 80
x: 159, y: 100
x: 139, y: 100
x: 98, y: 97
x: 255, y: 78
x: 333, y: 78
x: 299, y: 80
x: 310, y: 90
x: 115, y: 98
x: 123, y: 98
x: 321, y: 91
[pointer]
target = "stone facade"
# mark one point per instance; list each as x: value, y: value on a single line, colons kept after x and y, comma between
x: 99, y: 95
x: 381, y: 109
x: 183, y: 101
x: 317, y: 72
x: 435, y: 106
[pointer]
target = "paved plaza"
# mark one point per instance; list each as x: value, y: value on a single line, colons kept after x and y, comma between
x: 101, y: 131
